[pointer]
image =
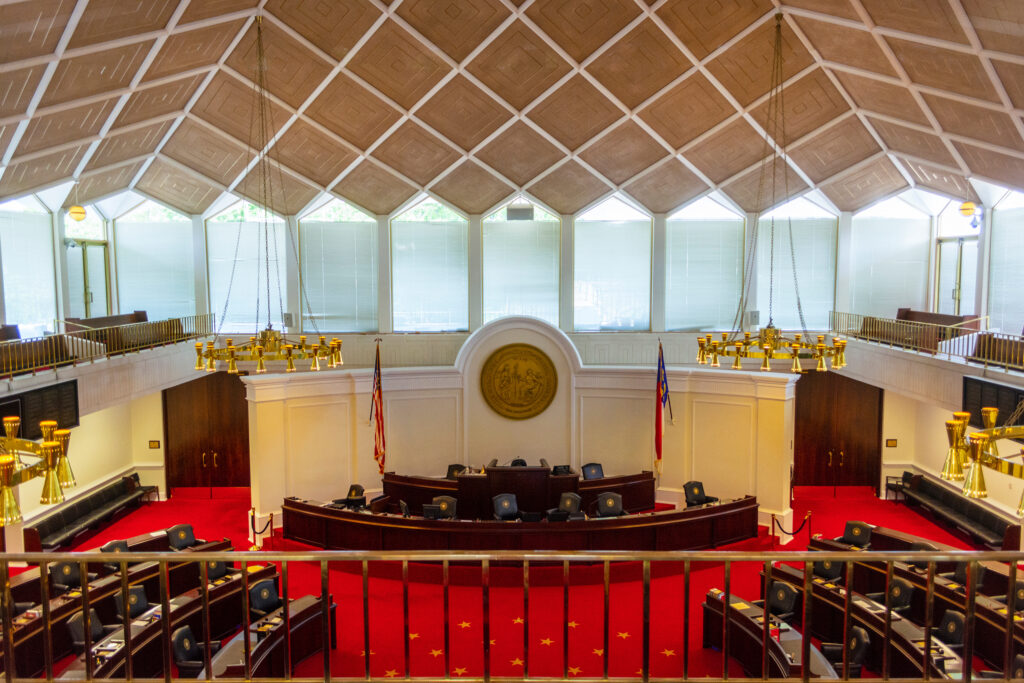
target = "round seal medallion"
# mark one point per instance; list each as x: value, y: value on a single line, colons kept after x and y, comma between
x: 518, y: 381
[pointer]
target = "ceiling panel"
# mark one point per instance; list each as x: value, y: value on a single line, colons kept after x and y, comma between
x: 286, y: 194
x: 808, y: 104
x: 870, y: 182
x: 687, y: 110
x: 940, y: 180
x: 158, y: 100
x: 753, y: 195
x: 519, y: 153
x: 471, y: 188
x: 745, y: 68
x: 373, y: 188
x: 203, y: 150
x: 296, y: 73
x: 463, y: 113
x: 17, y: 88
x: 105, y: 20
x: 568, y: 188
x: 95, y: 73
x: 704, y: 26
x: 933, y: 18
x: 416, y: 153
x: 92, y: 186
x: 623, y: 152
x: 313, y: 153
x: 728, y: 151
x: 582, y: 26
x: 227, y: 104
x: 398, y: 65
x: 127, y: 145
x: 998, y: 23
x: 837, y: 147
x: 518, y: 65
x: 63, y: 126
x: 950, y: 70
x: 193, y: 49
x: 455, y: 26
x: 352, y: 111
x: 1012, y: 77
x: 334, y: 27
x: 980, y: 123
x: 666, y: 187
x: 837, y: 8
x: 994, y: 166
x: 6, y: 133
x: 41, y: 171
x: 173, y: 186
x: 575, y: 112
x: 214, y: 8
x: 920, y: 144
x: 883, y: 98
x: 639, y: 64
x: 32, y: 28
x: 846, y: 45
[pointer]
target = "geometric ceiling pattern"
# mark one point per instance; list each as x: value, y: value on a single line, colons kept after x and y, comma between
x: 474, y: 101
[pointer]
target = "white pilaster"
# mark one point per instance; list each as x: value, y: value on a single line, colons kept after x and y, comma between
x: 200, y: 268
x: 566, y: 275
x: 476, y: 272
x: 659, y: 267
x: 844, y: 263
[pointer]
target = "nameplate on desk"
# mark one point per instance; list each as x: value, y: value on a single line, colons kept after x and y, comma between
x: 154, y: 534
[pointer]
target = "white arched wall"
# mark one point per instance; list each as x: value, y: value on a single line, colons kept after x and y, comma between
x: 310, y: 434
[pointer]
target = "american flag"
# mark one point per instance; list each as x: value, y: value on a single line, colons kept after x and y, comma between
x: 377, y: 411
x: 659, y: 409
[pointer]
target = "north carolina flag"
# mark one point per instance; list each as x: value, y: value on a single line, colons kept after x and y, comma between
x: 659, y: 408
x: 377, y: 411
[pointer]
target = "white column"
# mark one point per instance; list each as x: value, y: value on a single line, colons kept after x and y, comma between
x: 113, y: 300
x: 750, y: 265
x: 565, y: 276
x: 293, y: 302
x: 984, y: 260
x: 659, y: 268
x: 933, y: 265
x: 476, y: 272
x: 384, y: 322
x: 61, y: 253
x: 844, y: 264
x: 200, y: 268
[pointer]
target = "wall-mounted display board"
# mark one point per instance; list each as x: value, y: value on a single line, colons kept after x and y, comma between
x: 56, y: 402
x: 979, y: 393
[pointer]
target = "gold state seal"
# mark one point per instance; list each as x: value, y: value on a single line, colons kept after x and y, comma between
x: 518, y: 381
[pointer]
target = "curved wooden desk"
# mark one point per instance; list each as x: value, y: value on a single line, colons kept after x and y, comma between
x: 692, y: 528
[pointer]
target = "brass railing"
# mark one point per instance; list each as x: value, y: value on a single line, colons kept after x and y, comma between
x: 968, y: 341
x: 798, y: 564
x: 37, y: 354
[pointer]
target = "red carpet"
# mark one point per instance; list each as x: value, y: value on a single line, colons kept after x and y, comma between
x: 226, y: 515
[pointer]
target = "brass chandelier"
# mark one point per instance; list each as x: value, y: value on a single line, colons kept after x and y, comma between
x: 770, y: 343
x: 970, y: 454
x: 22, y: 460
x: 267, y: 344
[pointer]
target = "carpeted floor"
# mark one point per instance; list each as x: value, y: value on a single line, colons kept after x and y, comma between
x: 225, y: 515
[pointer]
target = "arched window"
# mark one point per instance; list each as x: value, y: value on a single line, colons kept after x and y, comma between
x: 338, y: 248
x: 26, y: 247
x: 521, y: 247
x: 612, y: 268
x: 430, y: 269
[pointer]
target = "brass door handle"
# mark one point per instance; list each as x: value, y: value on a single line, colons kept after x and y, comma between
x: 204, y: 458
x: 214, y: 459
x: 830, y: 458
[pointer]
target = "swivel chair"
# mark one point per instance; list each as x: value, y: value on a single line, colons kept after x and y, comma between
x: 216, y: 569
x: 569, y: 505
x: 493, y: 462
x: 609, y: 504
x: 951, y: 629
x: 920, y: 565
x: 446, y: 506
x: 66, y: 575
x: 404, y: 508
x: 454, y: 470
x: 781, y: 600
x: 960, y: 575
x: 593, y: 470
x: 263, y: 599
x: 505, y: 506
x: 1018, y: 596
x: 544, y: 463
x: 354, y: 499
x: 113, y: 547
x: 856, y: 534
x: 181, y: 536
x: 828, y: 570
x: 695, y: 495
x: 97, y: 630
x: 188, y: 654
x: 900, y: 594
x: 856, y: 646
x: 517, y: 462
x: 137, y: 602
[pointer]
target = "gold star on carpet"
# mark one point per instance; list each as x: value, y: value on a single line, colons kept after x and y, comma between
x: 668, y: 653
x: 516, y: 662
x: 599, y: 652
x: 517, y: 620
x: 546, y: 641
x: 459, y: 670
x: 391, y: 673
x: 464, y: 624
x: 574, y: 670
x: 436, y: 653
x: 413, y: 636
x: 623, y: 634
x: 573, y: 624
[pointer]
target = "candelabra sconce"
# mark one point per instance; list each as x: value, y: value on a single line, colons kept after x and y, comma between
x: 978, y: 451
x: 771, y: 345
x: 22, y: 460
x: 974, y: 484
x: 988, y: 418
x: 952, y: 470
x: 269, y: 345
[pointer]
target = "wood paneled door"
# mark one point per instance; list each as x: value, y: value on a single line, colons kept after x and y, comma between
x: 838, y: 433
x: 206, y: 430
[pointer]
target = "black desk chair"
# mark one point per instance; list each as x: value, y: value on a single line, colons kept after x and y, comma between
x: 960, y: 575
x: 445, y: 505
x: 694, y: 491
x: 518, y: 462
x: 544, y: 463
x: 454, y: 470
x: 217, y: 569
x: 828, y: 570
x: 506, y: 507
x: 951, y: 629
x: 97, y: 630
x: 493, y: 462
x: 66, y: 575
x: 593, y: 470
x: 920, y: 546
x: 857, y: 647
x: 354, y: 499
x: 781, y: 600
x: 263, y: 599
x: 609, y: 504
x: 403, y: 507
x: 137, y: 602
x: 114, y: 547
x: 1016, y: 670
x: 1018, y: 593
x: 900, y: 593
x: 20, y: 607
x: 181, y: 536
x: 856, y: 534
x: 569, y: 507
x: 188, y: 654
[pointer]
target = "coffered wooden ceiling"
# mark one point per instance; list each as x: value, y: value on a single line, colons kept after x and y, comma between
x: 475, y: 101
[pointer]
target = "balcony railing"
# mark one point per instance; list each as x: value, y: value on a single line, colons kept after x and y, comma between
x: 34, y: 355
x: 640, y: 584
